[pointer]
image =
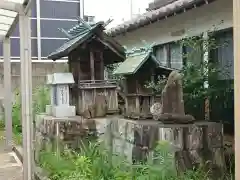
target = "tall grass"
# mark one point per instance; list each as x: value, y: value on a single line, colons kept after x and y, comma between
x: 40, y: 98
x: 93, y: 163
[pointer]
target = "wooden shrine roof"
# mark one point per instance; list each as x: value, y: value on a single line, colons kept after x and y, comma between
x: 83, y: 32
x: 135, y: 59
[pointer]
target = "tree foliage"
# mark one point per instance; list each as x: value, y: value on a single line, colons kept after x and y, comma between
x: 201, y: 79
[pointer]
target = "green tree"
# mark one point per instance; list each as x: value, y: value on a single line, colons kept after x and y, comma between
x: 197, y: 72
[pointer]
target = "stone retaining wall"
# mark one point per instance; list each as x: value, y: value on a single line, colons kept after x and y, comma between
x: 189, y: 144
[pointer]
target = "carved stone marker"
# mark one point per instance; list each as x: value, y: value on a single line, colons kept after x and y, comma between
x: 59, y: 89
x: 172, y: 95
x: 171, y: 110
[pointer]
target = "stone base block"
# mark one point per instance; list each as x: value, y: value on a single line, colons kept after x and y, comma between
x: 49, y: 110
x: 64, y: 111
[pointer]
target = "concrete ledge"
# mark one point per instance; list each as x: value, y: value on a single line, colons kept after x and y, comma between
x: 63, y: 111
x: 39, y: 173
x: 19, y: 151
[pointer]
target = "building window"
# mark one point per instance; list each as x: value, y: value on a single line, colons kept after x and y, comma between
x: 51, y: 28
x: 224, y: 53
x: 161, y: 55
x: 15, y: 48
x: 176, y: 55
x: 50, y: 45
x: 170, y: 55
x: 59, y: 9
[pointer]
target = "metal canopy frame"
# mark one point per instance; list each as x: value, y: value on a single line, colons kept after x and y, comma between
x: 12, y: 12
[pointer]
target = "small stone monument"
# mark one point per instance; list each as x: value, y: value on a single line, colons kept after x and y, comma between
x: 171, y: 109
x: 59, y: 90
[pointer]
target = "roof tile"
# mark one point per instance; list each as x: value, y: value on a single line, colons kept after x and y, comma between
x: 152, y: 16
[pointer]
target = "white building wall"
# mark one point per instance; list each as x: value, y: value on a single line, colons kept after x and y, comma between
x: 194, y: 22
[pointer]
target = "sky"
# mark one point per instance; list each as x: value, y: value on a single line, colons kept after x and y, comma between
x: 118, y: 10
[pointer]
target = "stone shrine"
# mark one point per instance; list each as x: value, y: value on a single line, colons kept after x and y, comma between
x: 59, y: 90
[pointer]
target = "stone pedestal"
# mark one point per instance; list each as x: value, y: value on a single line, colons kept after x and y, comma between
x: 55, y: 134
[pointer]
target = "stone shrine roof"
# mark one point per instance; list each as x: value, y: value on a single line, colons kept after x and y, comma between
x: 60, y: 78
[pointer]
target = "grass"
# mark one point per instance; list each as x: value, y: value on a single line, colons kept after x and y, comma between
x: 17, y: 138
x: 94, y: 163
x: 40, y: 100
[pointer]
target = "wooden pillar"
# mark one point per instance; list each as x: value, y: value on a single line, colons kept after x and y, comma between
x: 101, y: 66
x: 152, y: 99
x: 92, y: 70
x: 137, y: 98
x: 125, y: 93
x: 236, y: 32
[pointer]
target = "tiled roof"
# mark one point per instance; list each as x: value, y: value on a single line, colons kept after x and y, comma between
x: 155, y: 15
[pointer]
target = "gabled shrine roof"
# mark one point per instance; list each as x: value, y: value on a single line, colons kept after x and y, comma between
x: 81, y: 33
x: 135, y: 59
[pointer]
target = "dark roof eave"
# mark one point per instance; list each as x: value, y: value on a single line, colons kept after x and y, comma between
x: 64, y: 53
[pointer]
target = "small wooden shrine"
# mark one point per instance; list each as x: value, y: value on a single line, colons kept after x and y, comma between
x: 140, y: 67
x: 88, y: 50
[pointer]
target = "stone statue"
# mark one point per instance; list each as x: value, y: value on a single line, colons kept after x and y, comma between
x: 171, y: 109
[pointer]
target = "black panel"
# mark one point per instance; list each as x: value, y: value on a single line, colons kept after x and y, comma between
x: 59, y: 9
x: 50, y: 45
x: 49, y: 28
x: 15, y: 47
x: 33, y: 29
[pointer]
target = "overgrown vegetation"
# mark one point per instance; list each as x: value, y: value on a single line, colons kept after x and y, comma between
x: 40, y: 100
x: 201, y: 79
x: 93, y: 163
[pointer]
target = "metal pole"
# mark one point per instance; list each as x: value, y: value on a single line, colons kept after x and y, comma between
x: 26, y: 93
x: 7, y: 92
x: 131, y: 9
x: 81, y: 8
x: 39, y: 46
x: 236, y: 35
